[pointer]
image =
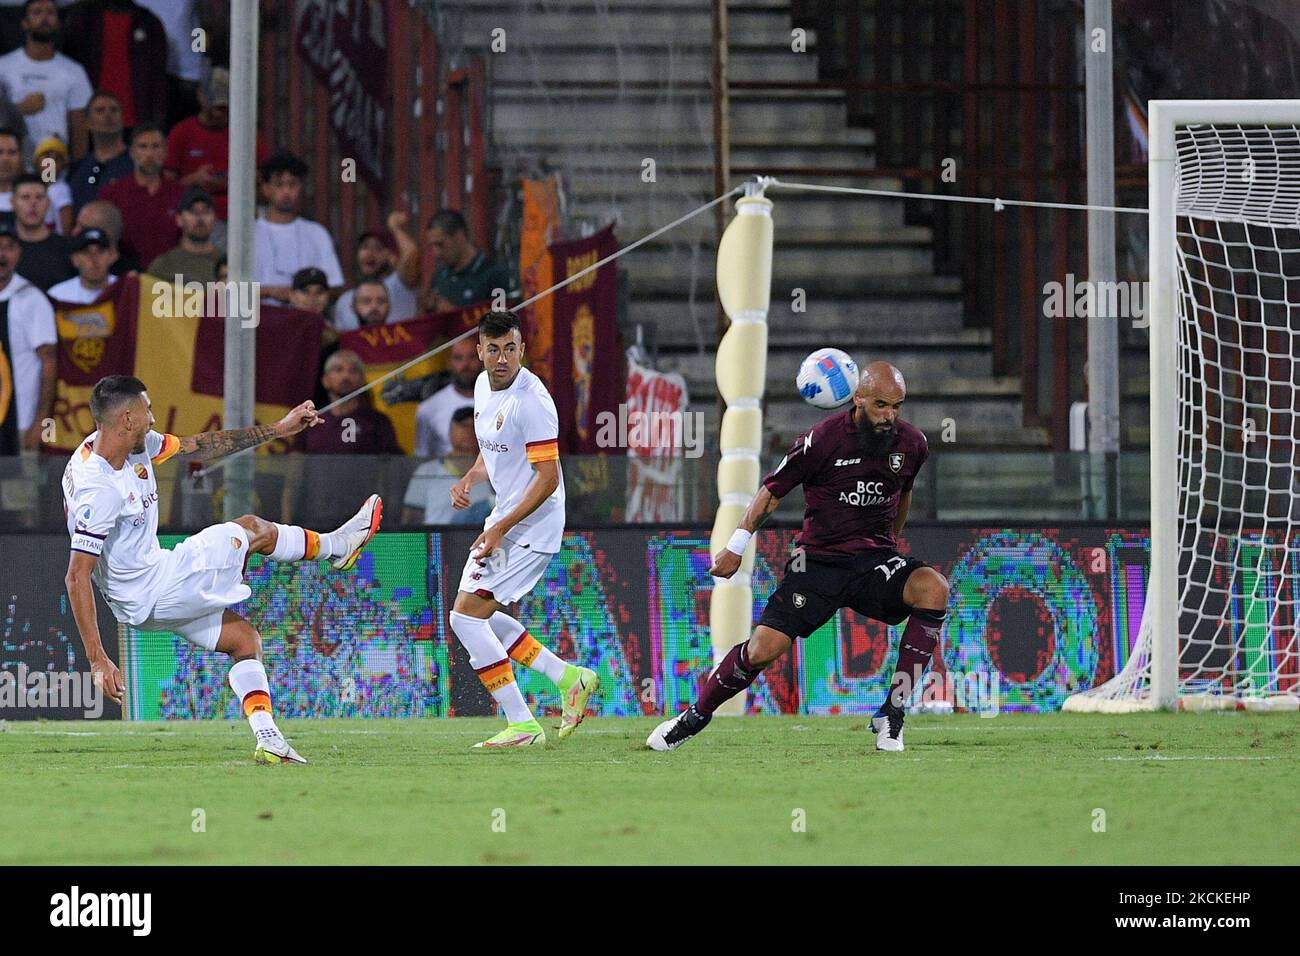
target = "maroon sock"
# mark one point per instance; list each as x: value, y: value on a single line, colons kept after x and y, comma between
x: 915, y: 649
x: 728, y: 679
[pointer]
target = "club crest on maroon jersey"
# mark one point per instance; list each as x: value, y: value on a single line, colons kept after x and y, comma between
x: 896, y: 462
x: 799, y: 600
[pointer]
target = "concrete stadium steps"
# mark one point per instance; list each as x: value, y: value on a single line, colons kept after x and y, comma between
x: 577, y: 137
x: 683, y: 24
x: 801, y: 265
x: 642, y: 63
x: 865, y: 285
x: 943, y: 365
x: 811, y: 112
x: 867, y: 275
x: 986, y: 413
x: 933, y: 323
x: 620, y: 172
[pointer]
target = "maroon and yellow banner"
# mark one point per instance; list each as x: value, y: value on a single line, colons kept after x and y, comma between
x: 383, y: 348
x: 173, y: 341
x: 585, y: 377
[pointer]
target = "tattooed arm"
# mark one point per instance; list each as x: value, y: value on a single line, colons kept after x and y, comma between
x: 206, y: 446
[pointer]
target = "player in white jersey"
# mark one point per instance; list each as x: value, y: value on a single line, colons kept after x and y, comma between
x: 110, y: 495
x: 519, y: 453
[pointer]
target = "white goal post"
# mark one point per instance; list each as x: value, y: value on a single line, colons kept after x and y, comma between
x: 1219, y: 629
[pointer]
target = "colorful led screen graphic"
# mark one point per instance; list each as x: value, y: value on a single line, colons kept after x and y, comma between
x: 1035, y: 615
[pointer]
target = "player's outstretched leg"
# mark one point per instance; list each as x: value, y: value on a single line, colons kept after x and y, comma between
x: 342, y: 546
x: 576, y: 684
x: 926, y: 593
x: 492, y: 664
x: 248, y: 680
x: 738, y: 670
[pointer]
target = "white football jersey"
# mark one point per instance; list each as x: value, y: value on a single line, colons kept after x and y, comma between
x: 114, y: 516
x: 517, y: 426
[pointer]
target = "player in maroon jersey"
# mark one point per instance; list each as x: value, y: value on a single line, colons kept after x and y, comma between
x: 857, y: 469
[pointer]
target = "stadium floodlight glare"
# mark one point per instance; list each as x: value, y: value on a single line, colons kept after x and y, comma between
x: 1220, y: 624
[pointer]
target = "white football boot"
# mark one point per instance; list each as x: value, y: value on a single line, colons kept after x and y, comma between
x: 671, y: 734
x: 360, y: 528
x: 888, y: 729
x: 273, y: 748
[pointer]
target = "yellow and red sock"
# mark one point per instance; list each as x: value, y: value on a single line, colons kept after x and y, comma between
x: 496, y: 676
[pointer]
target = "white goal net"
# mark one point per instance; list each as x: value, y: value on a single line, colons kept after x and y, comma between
x: 1219, y: 628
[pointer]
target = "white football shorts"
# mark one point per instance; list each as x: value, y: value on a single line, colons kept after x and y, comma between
x: 204, y: 575
x: 505, y: 579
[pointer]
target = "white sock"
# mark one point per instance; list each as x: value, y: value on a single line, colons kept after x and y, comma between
x: 490, y: 662
x: 293, y: 543
x: 248, y: 681
x: 529, y: 651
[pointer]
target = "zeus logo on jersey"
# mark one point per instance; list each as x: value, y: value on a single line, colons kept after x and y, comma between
x: 868, y: 493
x: 846, y: 461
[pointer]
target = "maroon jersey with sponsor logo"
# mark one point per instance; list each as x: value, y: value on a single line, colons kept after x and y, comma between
x: 851, y: 498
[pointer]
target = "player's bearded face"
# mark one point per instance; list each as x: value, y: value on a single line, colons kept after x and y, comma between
x: 875, y: 438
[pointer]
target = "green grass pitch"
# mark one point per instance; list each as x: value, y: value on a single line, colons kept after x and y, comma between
x: 1174, y: 788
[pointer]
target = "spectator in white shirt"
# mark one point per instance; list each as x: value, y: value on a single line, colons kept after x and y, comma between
x: 433, y: 417
x: 428, y: 496
x: 286, y: 242
x: 93, y: 254
x: 33, y: 342
x: 393, y: 257
x: 50, y: 89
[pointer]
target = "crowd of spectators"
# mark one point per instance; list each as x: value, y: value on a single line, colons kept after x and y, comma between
x: 114, y: 143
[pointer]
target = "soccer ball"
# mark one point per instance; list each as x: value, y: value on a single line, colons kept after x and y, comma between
x: 827, y: 378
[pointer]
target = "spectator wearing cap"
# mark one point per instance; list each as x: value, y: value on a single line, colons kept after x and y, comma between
x: 123, y: 47
x: 108, y: 158
x: 180, y: 18
x: 31, y: 342
x: 284, y: 241
x: 105, y: 217
x: 51, y: 163
x: 148, y: 201
x: 428, y: 496
x: 194, y: 259
x: 46, y: 257
x: 392, y: 257
x: 50, y: 89
x: 465, y: 275
x: 310, y: 292
x: 198, y: 148
x: 93, y: 253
